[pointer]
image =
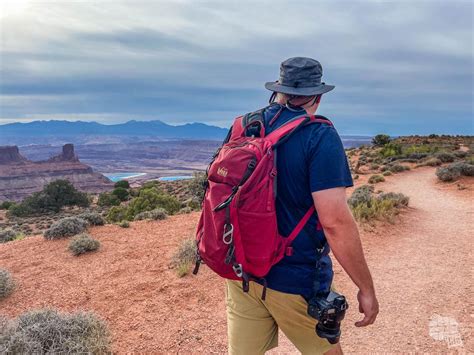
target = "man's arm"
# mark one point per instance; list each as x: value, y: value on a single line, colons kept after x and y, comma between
x: 343, y: 238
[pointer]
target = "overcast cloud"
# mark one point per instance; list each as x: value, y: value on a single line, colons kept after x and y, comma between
x: 402, y: 67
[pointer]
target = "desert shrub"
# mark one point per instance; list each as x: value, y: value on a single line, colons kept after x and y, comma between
x: 447, y: 174
x: 65, y: 227
x: 121, y: 193
x: 390, y: 150
x: 445, y: 157
x: 52, y: 198
x: 362, y: 194
x: 7, y: 284
x: 184, y: 257
x: 416, y: 155
x: 460, y: 154
x: 374, y: 179
x: 8, y: 235
x: 93, y: 218
x: 5, y: 205
x: 463, y: 168
x: 381, y: 139
x: 374, y: 166
x: 198, y: 184
x: 387, y: 173
x: 124, y: 224
x: 433, y: 162
x: 107, y: 199
x: 398, y: 199
x: 355, y: 177
x: 150, y: 199
x: 117, y: 214
x: 83, y: 243
x: 186, y: 209
x: 365, y: 206
x: 193, y: 203
x: 47, y: 331
x: 156, y: 214
x: 123, y: 184
x: 397, y: 168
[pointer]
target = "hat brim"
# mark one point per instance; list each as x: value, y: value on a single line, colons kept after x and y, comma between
x: 308, y: 91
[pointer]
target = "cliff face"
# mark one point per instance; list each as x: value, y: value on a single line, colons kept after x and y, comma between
x: 20, y: 177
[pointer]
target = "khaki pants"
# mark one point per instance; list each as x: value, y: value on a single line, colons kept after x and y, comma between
x: 252, y: 324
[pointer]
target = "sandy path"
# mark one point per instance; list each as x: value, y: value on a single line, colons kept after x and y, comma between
x: 422, y: 266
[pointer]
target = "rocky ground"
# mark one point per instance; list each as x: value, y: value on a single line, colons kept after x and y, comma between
x: 421, y: 266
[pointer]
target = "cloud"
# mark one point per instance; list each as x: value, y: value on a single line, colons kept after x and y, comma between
x: 396, y: 65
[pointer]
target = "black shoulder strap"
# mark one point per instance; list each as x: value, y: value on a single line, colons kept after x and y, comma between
x: 253, y: 122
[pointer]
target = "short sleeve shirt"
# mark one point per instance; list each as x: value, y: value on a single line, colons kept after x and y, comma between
x: 311, y: 160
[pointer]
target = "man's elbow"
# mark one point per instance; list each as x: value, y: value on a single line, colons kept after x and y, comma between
x: 334, y: 222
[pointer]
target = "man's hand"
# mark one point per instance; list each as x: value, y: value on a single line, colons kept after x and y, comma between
x: 368, y: 305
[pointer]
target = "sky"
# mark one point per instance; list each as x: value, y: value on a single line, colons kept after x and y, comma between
x: 399, y: 67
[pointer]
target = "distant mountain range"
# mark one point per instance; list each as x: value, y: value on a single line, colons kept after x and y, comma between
x: 65, y: 129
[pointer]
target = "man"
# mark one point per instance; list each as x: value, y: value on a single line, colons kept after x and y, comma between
x: 312, y: 169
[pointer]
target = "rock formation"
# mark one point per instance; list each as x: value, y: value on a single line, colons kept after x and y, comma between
x: 20, y: 177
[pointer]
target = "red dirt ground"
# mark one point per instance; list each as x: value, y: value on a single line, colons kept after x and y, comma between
x: 422, y: 266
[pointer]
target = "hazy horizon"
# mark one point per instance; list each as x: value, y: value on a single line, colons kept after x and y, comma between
x: 399, y: 68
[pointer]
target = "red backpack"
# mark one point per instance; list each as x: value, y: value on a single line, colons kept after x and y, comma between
x: 237, y: 234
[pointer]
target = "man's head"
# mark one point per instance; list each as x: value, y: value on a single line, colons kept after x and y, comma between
x: 299, y: 83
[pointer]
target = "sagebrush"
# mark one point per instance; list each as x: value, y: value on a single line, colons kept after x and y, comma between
x: 47, y: 331
x: 83, y: 243
x: 66, y: 227
x: 7, y: 284
x: 184, y: 257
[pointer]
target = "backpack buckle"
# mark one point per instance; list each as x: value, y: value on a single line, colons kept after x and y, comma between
x: 227, y: 237
x: 238, y: 269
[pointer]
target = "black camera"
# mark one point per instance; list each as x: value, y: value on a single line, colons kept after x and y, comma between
x: 329, y: 309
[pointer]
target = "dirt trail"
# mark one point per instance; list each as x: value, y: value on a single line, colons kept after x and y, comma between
x: 422, y: 267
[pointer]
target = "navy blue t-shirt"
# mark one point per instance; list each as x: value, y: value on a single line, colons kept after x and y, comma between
x: 312, y: 160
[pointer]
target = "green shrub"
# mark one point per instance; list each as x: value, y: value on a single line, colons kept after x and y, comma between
x: 47, y: 331
x: 107, y: 199
x: 198, y: 185
x: 83, y: 243
x: 391, y: 150
x: 5, y: 205
x: 123, y: 184
x: 387, y: 173
x: 381, y: 139
x: 156, y: 214
x: 66, y: 227
x: 397, y: 168
x: 93, y: 218
x: 184, y: 257
x: 121, y: 193
x: 150, y: 199
x: 117, y: 214
x: 374, y: 166
x: 7, y: 284
x: 445, y: 157
x: 398, y: 199
x: 374, y: 179
x: 365, y: 206
x: 52, y: 198
x: 8, y: 235
x: 124, y: 224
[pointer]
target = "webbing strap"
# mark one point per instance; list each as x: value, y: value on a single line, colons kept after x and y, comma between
x: 300, y: 226
x: 287, y: 128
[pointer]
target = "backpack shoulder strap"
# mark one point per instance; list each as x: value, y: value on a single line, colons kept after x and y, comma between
x: 289, y: 128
